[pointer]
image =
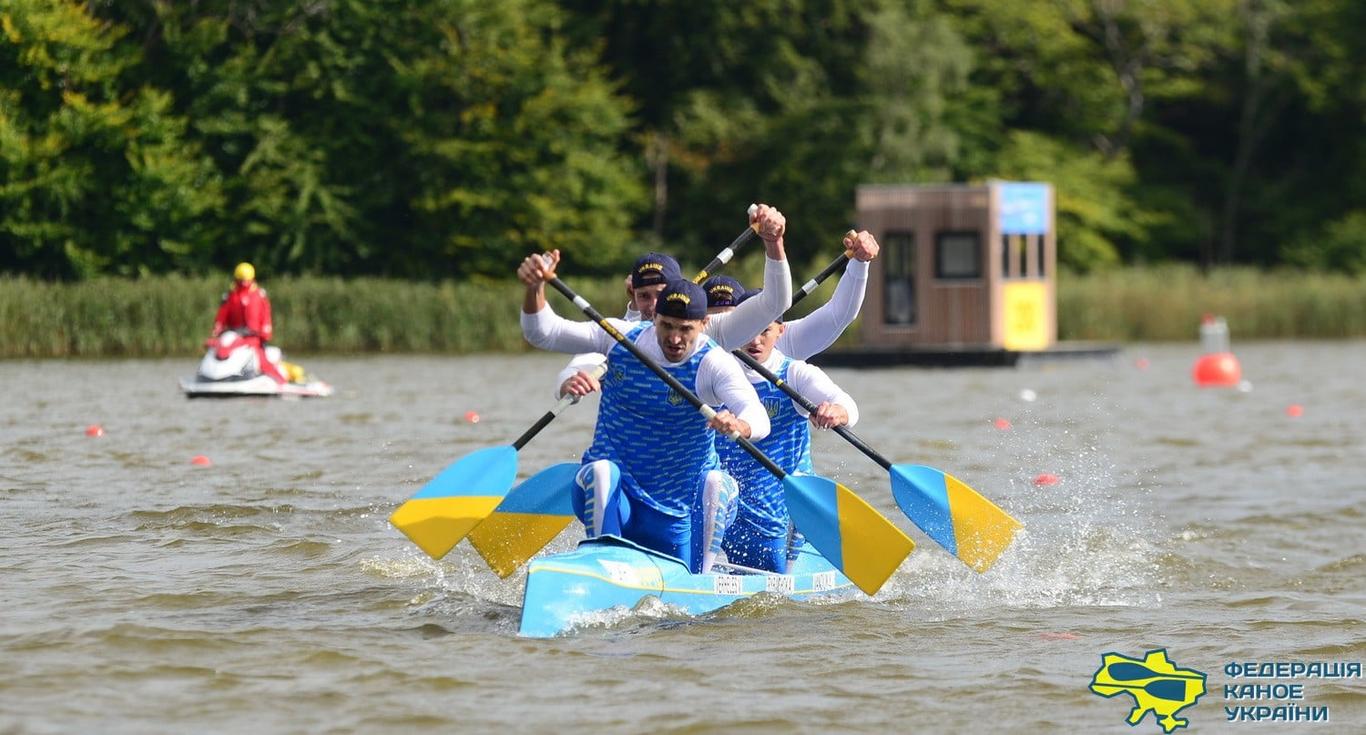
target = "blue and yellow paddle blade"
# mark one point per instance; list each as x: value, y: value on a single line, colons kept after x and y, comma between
x: 957, y: 517
x: 850, y: 533
x: 530, y: 517
x: 455, y: 501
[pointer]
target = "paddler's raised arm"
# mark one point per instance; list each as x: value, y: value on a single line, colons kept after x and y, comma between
x: 722, y: 382
x: 813, y: 333
x: 735, y: 328
x: 547, y: 330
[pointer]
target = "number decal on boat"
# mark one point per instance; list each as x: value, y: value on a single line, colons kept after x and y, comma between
x: 822, y: 581
x: 727, y: 584
x: 780, y: 583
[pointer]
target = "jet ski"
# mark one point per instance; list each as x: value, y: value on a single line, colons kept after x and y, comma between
x: 231, y: 368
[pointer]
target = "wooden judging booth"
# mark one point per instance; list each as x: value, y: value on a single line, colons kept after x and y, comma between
x: 966, y: 275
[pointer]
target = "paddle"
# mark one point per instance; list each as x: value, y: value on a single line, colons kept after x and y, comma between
x: 1166, y: 686
x: 848, y: 532
x: 957, y: 517
x: 726, y: 254
x: 465, y: 493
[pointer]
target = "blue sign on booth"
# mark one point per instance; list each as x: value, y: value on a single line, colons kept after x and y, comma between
x: 1024, y: 208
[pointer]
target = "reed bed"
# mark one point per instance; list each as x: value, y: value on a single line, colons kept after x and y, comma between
x: 171, y: 315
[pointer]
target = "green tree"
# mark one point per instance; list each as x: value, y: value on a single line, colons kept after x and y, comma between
x: 97, y: 173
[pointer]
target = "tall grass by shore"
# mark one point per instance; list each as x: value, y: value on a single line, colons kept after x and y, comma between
x: 1165, y: 303
x: 171, y: 316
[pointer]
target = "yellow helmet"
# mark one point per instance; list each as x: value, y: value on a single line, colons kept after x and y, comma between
x: 244, y: 272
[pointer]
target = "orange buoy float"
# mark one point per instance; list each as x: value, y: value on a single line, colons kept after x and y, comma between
x: 1046, y: 478
x: 1217, y: 368
x: 200, y: 460
x: 1294, y: 410
x: 94, y: 430
x: 1001, y: 423
x: 472, y: 417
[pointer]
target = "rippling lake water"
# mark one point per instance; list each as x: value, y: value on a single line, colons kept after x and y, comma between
x: 267, y: 592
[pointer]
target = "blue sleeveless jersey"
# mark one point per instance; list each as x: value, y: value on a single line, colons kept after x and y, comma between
x: 788, y: 444
x: 659, y: 441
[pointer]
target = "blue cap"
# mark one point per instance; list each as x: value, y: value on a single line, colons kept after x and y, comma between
x: 682, y: 299
x: 654, y: 268
x: 723, y: 291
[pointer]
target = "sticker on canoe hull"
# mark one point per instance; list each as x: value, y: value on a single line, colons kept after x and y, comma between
x: 822, y: 581
x: 727, y: 584
x: 780, y: 583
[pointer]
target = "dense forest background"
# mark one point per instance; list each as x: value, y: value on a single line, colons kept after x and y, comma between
x: 446, y: 138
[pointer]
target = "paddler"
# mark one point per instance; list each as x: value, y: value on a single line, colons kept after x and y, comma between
x: 760, y: 536
x: 731, y: 331
x: 813, y: 333
x: 652, y: 474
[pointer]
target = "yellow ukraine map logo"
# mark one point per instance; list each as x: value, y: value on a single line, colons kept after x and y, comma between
x: 1155, y: 683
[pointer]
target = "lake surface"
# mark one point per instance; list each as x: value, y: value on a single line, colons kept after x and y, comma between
x: 267, y: 592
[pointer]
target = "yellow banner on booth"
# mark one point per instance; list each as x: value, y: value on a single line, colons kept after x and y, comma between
x: 1026, y: 316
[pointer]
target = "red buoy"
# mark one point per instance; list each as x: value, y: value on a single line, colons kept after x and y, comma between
x: 1294, y: 410
x: 94, y: 430
x: 1045, y: 479
x: 472, y: 417
x: 1217, y: 370
x: 200, y: 460
x: 1002, y: 424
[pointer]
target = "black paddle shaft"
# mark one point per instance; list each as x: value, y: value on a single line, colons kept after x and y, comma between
x: 810, y: 407
x: 535, y: 429
x: 725, y: 255
x: 654, y: 367
x: 811, y: 285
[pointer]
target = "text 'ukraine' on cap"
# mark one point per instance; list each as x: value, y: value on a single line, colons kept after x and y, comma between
x: 654, y: 268
x: 682, y: 299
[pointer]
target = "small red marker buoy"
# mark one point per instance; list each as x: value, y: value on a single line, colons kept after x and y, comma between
x: 94, y: 430
x: 1002, y: 424
x: 472, y: 417
x: 200, y: 460
x: 1142, y: 363
x: 1294, y: 410
x: 1046, y: 478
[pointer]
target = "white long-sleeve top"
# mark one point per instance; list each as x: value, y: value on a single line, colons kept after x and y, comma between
x: 733, y: 329
x: 808, y: 380
x: 720, y: 379
x: 813, y: 333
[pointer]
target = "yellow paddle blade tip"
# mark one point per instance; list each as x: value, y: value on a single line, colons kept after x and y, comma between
x: 509, y: 540
x: 436, y: 525
x: 982, y: 530
x: 872, y: 547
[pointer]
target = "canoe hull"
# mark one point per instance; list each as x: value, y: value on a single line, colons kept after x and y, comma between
x: 564, y: 590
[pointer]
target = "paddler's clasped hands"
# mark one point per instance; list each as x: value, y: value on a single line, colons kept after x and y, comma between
x: 860, y: 245
x: 768, y: 223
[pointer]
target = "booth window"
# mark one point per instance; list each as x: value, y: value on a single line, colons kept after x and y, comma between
x: 898, y: 274
x: 958, y: 256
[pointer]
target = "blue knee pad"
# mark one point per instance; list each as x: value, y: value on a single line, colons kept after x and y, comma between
x: 616, y: 511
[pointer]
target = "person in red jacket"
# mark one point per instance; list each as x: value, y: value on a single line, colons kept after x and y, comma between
x: 246, y: 310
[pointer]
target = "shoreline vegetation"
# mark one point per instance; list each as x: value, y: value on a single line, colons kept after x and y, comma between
x: 166, y: 316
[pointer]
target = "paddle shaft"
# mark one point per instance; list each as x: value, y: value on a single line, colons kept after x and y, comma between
x: 654, y: 367
x: 811, y: 285
x: 810, y: 407
x: 725, y: 255
x: 555, y: 410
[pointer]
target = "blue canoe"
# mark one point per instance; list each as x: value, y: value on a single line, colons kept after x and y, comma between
x: 566, y: 590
